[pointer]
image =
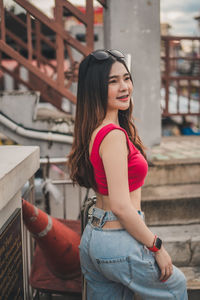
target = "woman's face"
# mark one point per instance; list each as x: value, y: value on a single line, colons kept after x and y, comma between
x: 120, y: 88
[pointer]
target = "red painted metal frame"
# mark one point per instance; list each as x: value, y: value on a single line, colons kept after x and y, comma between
x: 2, y: 21
x: 168, y: 79
x: 63, y: 40
x: 23, y: 61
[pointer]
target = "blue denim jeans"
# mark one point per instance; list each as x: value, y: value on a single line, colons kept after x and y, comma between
x: 116, y: 266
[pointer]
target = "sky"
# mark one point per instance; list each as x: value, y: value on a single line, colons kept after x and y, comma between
x: 178, y: 13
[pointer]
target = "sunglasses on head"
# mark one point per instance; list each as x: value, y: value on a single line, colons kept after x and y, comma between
x: 105, y: 54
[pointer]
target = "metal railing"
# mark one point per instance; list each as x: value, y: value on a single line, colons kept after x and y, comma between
x: 29, y: 195
x: 52, y: 77
x: 28, y: 245
x: 180, y: 73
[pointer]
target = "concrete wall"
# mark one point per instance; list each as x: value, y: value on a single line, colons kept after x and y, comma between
x: 21, y: 108
x: 18, y: 165
x: 133, y: 26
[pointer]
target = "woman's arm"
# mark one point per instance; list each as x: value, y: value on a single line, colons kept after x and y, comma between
x: 114, y: 154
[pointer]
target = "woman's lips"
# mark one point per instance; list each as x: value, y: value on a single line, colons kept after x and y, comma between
x: 123, y: 98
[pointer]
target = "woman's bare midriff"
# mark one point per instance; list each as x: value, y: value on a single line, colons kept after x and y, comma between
x: 103, y: 203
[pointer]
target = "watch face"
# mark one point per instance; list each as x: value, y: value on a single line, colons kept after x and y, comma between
x: 158, y: 243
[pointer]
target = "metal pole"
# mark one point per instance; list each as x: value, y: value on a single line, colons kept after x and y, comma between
x: 2, y: 15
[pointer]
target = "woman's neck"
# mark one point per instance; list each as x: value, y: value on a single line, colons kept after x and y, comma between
x: 111, y: 118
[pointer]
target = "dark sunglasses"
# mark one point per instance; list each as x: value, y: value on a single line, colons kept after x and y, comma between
x: 105, y: 54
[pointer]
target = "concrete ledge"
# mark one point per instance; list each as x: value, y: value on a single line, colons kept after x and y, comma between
x: 171, y: 192
x: 182, y: 242
x: 177, y: 204
x: 18, y: 164
x: 176, y: 150
x: 174, y: 172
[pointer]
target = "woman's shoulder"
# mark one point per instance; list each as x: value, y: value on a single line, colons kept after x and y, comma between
x: 107, y: 133
x: 114, y: 143
x: 107, y: 129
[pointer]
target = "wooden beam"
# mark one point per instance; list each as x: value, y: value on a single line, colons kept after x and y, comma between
x: 15, y: 55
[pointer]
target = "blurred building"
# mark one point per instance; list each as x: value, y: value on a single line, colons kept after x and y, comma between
x: 165, y: 28
x: 197, y: 18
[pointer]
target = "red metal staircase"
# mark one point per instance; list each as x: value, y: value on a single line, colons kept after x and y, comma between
x: 52, y: 77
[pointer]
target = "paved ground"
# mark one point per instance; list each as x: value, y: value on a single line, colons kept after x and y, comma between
x: 178, y: 148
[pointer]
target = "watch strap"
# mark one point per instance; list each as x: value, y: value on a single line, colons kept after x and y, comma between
x: 154, y: 248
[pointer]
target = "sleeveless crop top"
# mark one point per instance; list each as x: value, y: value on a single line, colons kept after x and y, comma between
x: 137, y: 165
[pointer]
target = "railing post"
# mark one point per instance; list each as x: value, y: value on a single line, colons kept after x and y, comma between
x: 178, y: 95
x: 64, y: 41
x: 167, y: 75
x: 90, y: 25
x: 38, y: 41
x: 59, y: 45
x: 189, y: 94
x: 2, y: 15
x: 29, y: 36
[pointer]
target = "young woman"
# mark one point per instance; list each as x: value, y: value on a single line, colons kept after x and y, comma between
x: 118, y: 252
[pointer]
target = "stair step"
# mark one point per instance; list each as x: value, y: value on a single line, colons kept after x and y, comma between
x: 171, y: 204
x: 173, y: 172
x: 182, y: 242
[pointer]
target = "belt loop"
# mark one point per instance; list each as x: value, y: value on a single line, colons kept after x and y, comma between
x: 102, y: 221
x: 90, y: 219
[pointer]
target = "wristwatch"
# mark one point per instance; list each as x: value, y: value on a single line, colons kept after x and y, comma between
x: 156, y: 244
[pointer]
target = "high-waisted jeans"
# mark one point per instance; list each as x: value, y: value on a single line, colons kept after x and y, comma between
x: 116, y: 266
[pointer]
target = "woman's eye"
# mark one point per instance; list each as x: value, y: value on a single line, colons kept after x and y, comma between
x: 112, y: 81
x: 127, y: 78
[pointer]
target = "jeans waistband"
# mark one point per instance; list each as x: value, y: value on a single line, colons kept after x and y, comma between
x: 107, y: 215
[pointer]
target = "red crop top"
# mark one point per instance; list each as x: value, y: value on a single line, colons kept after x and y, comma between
x: 137, y: 165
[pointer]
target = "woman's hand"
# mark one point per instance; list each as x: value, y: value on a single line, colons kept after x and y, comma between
x: 165, y: 263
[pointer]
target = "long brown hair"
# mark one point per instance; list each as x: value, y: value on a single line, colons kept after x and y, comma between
x: 91, y: 109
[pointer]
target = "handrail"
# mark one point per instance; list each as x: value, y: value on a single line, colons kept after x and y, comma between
x: 53, y: 25
x: 53, y: 160
x: 57, y: 84
x: 173, y: 77
x: 8, y: 50
x: 79, y: 15
x: 13, y: 74
x: 179, y: 38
